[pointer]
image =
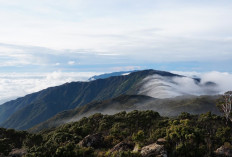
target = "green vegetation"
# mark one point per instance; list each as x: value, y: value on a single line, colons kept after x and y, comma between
x: 10, y: 139
x: 47, y: 103
x: 186, y: 135
x: 166, y: 107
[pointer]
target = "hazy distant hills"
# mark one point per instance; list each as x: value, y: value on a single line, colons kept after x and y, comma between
x: 107, y: 75
x: 112, y: 94
x: 166, y: 107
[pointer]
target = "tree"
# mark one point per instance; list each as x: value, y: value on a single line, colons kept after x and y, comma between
x: 225, y: 104
x: 139, y: 136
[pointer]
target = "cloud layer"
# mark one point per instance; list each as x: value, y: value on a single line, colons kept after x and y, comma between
x: 116, y: 31
x: 14, y: 85
x: 168, y: 87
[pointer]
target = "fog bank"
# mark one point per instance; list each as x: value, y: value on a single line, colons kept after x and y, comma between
x: 210, y: 83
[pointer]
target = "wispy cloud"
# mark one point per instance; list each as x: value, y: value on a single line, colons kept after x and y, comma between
x: 51, y: 59
x: 126, y: 68
x: 115, y: 32
x: 151, y: 26
x: 71, y: 62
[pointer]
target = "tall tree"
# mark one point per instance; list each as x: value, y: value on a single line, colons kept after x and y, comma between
x: 225, y: 104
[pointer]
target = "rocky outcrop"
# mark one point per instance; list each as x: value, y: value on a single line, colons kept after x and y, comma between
x: 95, y: 141
x: 122, y: 146
x: 137, y: 148
x: 155, y: 149
x: 224, y: 151
x: 161, y: 141
x: 17, y: 153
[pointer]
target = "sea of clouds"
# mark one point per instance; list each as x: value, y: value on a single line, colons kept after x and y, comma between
x: 14, y: 85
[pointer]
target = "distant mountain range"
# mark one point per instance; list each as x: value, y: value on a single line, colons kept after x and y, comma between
x: 107, y: 75
x: 120, y: 92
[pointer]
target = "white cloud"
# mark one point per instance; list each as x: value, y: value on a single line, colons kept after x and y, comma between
x: 126, y: 68
x: 188, y: 73
x: 166, y: 87
x: 27, y: 56
x: 181, y: 29
x: 71, y: 62
x: 112, y: 35
x: 223, y: 79
x: 13, y: 85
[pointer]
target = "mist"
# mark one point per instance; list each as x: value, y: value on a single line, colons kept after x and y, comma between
x: 211, y: 83
x: 223, y: 80
x: 14, y: 85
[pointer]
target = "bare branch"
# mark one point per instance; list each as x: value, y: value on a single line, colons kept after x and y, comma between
x: 226, y: 104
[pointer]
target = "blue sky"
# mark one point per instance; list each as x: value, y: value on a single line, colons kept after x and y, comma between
x: 49, y: 42
x: 112, y: 35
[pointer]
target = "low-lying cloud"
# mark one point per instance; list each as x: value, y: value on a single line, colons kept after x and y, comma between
x: 210, y: 83
x: 223, y: 80
x: 15, y: 85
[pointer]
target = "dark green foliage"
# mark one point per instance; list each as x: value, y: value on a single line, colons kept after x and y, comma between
x: 223, y: 134
x: 72, y: 150
x: 10, y: 139
x: 168, y: 107
x: 187, y: 135
x: 125, y: 154
x: 33, y: 140
x: 139, y: 136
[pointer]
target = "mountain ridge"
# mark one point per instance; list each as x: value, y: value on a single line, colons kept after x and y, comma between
x: 40, y: 106
x: 166, y: 107
x: 107, y: 75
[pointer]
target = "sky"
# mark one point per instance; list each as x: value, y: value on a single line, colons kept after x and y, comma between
x: 80, y: 38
